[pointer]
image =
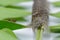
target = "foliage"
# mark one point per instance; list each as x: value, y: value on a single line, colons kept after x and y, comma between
x: 9, y: 31
x: 10, y: 13
x: 56, y: 14
x: 15, y: 19
x: 7, y: 34
x: 55, y: 29
x: 14, y: 7
x: 10, y: 25
x: 10, y: 2
x: 56, y: 4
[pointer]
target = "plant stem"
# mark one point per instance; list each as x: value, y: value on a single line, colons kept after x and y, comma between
x: 39, y: 34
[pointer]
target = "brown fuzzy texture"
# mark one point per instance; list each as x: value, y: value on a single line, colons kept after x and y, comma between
x: 40, y: 14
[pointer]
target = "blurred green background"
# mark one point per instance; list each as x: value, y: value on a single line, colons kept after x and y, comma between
x: 16, y: 14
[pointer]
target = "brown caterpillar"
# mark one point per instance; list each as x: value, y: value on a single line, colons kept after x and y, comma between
x: 40, y: 14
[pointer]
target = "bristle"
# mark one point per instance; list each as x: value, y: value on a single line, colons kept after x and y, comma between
x: 40, y: 13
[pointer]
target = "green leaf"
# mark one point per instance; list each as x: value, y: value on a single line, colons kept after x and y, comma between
x: 10, y: 2
x: 15, y: 7
x: 15, y: 19
x: 9, y: 31
x: 6, y: 36
x: 12, y: 13
x: 10, y: 25
x: 56, y: 14
x: 56, y: 4
x: 55, y: 29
